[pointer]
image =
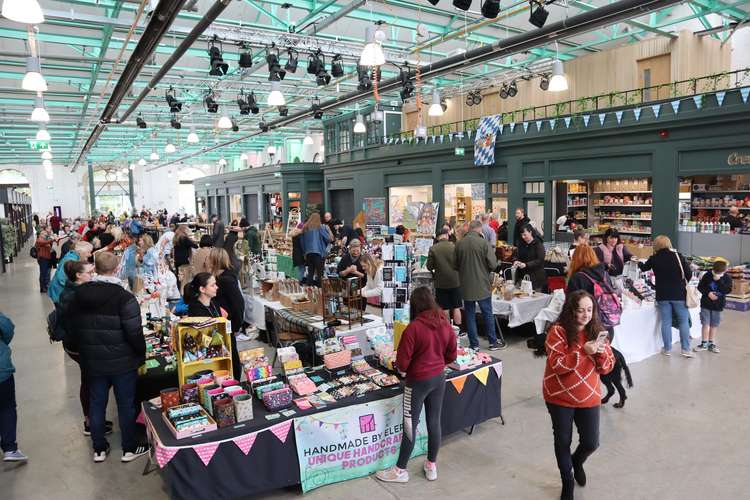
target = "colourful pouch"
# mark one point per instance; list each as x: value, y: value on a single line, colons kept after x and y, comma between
x: 339, y: 359
x: 278, y: 399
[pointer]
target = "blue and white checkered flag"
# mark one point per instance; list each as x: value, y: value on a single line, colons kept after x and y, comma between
x: 484, y: 140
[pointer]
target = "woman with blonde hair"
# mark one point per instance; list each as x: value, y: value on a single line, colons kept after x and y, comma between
x: 228, y: 297
x: 148, y: 255
x: 374, y: 269
x: 671, y: 271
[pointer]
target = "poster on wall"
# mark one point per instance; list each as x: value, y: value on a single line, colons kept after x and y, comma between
x: 293, y: 220
x: 427, y: 218
x: 351, y: 442
x: 374, y: 209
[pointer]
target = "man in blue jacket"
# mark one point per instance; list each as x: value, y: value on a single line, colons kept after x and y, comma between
x: 8, y: 415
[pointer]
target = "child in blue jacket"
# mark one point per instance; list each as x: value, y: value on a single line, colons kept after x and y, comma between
x: 8, y: 415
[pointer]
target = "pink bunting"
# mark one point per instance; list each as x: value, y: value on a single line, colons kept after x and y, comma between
x: 244, y: 443
x: 164, y: 455
x: 498, y: 369
x: 281, y: 431
x: 206, y: 451
x: 140, y: 419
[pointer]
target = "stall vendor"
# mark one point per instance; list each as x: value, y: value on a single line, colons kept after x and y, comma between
x: 734, y: 219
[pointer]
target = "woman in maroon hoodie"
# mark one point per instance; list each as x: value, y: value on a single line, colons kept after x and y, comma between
x: 427, y: 345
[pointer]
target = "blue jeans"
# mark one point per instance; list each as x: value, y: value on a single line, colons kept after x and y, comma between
x: 666, y: 309
x: 44, y: 271
x: 8, y: 415
x: 124, y: 387
x: 471, y: 320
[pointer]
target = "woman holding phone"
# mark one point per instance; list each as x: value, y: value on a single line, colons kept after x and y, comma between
x: 578, y: 352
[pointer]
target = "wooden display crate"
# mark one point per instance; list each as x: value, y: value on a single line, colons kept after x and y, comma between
x: 740, y: 287
x: 185, y: 327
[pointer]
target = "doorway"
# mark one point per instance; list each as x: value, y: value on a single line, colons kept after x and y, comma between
x: 342, y: 204
x: 251, y: 208
x: 655, y: 71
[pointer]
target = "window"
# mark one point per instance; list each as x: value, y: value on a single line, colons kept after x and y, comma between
x: 647, y: 83
x: 464, y: 202
x: 404, y: 204
x: 533, y: 187
x: 343, y: 137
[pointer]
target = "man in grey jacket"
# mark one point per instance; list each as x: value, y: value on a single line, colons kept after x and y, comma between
x: 218, y: 232
x: 475, y: 260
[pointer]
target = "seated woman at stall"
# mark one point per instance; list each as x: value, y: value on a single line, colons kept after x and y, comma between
x: 374, y: 271
x: 531, y: 258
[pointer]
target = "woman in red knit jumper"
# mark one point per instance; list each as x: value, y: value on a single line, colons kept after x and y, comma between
x: 575, y: 359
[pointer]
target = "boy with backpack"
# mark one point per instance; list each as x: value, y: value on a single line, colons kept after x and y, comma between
x: 714, y: 287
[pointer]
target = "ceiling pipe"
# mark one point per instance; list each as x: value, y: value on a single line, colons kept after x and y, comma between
x: 161, y: 19
x: 580, y: 23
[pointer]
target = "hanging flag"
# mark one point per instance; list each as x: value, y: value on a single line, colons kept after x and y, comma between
x: 458, y: 383
x: 525, y: 127
x: 656, y: 109
x: 206, y: 451
x: 720, y: 98
x: 567, y: 121
x: 745, y: 91
x: 618, y: 115
x: 442, y: 138
x: 281, y: 431
x: 244, y: 443
x: 675, y: 106
x: 500, y: 129
x: 552, y: 124
x: 698, y: 100
x: 539, y: 125
x: 586, y: 119
x: 498, y: 369
x: 484, y: 143
x: 637, y: 113
x: 512, y: 127
x: 164, y: 455
x: 482, y: 374
x: 602, y: 117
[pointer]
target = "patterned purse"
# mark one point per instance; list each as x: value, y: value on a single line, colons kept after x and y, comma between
x: 338, y: 359
x: 278, y: 399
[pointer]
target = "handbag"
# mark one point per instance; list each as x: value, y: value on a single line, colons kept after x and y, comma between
x: 692, y: 298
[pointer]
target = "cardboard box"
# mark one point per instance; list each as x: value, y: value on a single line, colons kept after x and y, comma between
x: 740, y: 287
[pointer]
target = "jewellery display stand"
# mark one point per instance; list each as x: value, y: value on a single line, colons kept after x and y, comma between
x: 342, y: 300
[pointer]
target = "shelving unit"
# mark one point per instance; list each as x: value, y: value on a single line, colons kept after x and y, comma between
x: 577, y: 198
x: 187, y: 326
x: 463, y: 209
x: 725, y: 191
x: 624, y: 204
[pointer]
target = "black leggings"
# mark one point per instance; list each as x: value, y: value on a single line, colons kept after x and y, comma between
x: 314, y: 264
x: 430, y: 394
x: 587, y: 423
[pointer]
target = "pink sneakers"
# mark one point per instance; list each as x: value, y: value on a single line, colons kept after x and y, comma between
x: 393, y: 475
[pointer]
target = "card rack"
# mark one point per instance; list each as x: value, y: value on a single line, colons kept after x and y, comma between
x: 397, y: 280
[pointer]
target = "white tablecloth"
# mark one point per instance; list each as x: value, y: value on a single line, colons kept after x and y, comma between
x: 638, y: 336
x: 259, y: 310
x: 520, y: 310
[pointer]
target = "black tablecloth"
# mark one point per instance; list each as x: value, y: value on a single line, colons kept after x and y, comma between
x: 155, y: 379
x: 272, y: 464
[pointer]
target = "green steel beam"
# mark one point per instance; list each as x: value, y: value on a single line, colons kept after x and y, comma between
x: 632, y: 22
x: 723, y: 8
x: 699, y: 15
x: 269, y: 14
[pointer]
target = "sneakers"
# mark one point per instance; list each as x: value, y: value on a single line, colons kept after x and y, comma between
x: 129, y: 456
x: 713, y: 348
x: 393, y: 475
x: 107, y: 428
x: 664, y: 352
x: 687, y: 354
x: 494, y: 347
x: 101, y: 456
x: 703, y: 346
x: 14, y: 456
x: 430, y: 470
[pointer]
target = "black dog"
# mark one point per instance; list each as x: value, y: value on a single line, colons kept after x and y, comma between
x: 614, y: 379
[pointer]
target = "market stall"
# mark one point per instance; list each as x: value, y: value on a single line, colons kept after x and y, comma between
x: 520, y: 310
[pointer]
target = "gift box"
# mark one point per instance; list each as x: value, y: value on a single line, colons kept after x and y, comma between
x: 243, y: 408
x: 302, y: 385
x: 224, y: 412
x: 277, y: 399
x: 191, y: 420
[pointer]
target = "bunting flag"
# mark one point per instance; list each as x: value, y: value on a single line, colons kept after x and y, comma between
x: 442, y: 138
x: 500, y: 129
x: 281, y: 431
x: 482, y: 374
x: 552, y: 124
x: 618, y: 115
x: 675, y: 106
x: 525, y: 127
x: 745, y: 91
x: 458, y: 383
x: 720, y: 98
x: 586, y: 119
x: 484, y: 142
x: 539, y: 125
x: 512, y: 127
x: 602, y: 117
x: 498, y: 367
x: 656, y: 109
x: 698, y: 100
x: 244, y: 443
x: 206, y: 451
x: 164, y: 455
x: 637, y: 113
x: 567, y: 121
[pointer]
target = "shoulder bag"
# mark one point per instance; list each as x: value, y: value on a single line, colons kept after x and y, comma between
x: 692, y: 298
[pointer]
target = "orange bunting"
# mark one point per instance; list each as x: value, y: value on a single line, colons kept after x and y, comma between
x: 458, y: 383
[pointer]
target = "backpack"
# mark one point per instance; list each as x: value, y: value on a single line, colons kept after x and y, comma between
x: 610, y: 308
x: 54, y: 329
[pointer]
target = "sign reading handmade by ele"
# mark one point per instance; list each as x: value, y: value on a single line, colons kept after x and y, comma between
x: 484, y: 141
x: 351, y: 442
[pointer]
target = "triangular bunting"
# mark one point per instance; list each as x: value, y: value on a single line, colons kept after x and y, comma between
x: 618, y: 115
x: 244, y: 443
x: 539, y: 125
x: 567, y: 121
x: 552, y: 124
x: 720, y: 98
x: 745, y: 91
x: 281, y: 431
x: 482, y: 374
x: 206, y: 451
x: 602, y: 117
x: 698, y: 100
x: 442, y: 138
x: 637, y: 113
x: 675, y: 106
x: 164, y: 455
x: 512, y: 127
x: 525, y: 127
x: 586, y: 119
x: 498, y: 369
x: 458, y: 383
x: 656, y: 109
x: 500, y: 129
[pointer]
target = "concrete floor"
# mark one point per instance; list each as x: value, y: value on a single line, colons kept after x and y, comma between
x: 682, y: 435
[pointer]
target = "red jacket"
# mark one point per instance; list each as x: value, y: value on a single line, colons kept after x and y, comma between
x: 43, y: 248
x: 426, y: 346
x: 571, y: 377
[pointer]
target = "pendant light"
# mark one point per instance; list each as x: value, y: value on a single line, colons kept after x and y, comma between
x: 224, y: 122
x: 558, y: 82
x: 48, y: 173
x: 170, y: 148
x: 142, y: 162
x: 435, y: 108
x: 47, y: 163
x: 39, y: 114
x: 276, y: 98
x: 192, y: 137
x: 359, y: 125
x: 372, y: 53
x: 308, y: 138
x: 46, y: 155
x: 23, y: 11
x: 132, y: 166
x: 33, y: 80
x: 43, y: 135
x: 271, y: 150
x: 154, y: 155
x: 222, y: 162
x: 243, y: 157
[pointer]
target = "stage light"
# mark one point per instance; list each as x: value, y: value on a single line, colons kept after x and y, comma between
x: 372, y: 53
x: 175, y: 106
x: 323, y: 78
x: 218, y: 66
x: 170, y: 148
x: 275, y: 97
x: 192, y: 137
x: 544, y: 82
x: 317, y: 111
x: 224, y: 122
x: 503, y: 92
x: 175, y: 123
x: 235, y: 126
x: 433, y: 2
x: 359, y: 125
x: 275, y: 73
x: 363, y: 73
x: 142, y: 162
x: 558, y: 82
x: 39, y: 114
x: 490, y: 8
x: 407, y: 87
x: 154, y: 155
x: 337, y: 66
x: 33, y: 80
x: 308, y: 138
x: 246, y: 56
x: 283, y: 111
x: 140, y: 121
x: 539, y: 15
x: 477, y: 99
x: 211, y: 105
x: 292, y: 60
x: 462, y: 4
x: 512, y: 89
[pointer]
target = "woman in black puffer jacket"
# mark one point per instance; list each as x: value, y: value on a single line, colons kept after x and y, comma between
x: 229, y: 297
x: 531, y: 259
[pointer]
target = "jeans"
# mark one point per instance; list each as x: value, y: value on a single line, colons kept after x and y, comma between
x: 429, y: 393
x: 471, y: 320
x: 124, y: 387
x: 44, y: 271
x: 314, y: 264
x: 667, y: 308
x: 83, y: 391
x: 587, y: 423
x: 8, y: 415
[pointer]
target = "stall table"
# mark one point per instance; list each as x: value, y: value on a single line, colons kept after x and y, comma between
x: 520, y: 310
x: 244, y: 459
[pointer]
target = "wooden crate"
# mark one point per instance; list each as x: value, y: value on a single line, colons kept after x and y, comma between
x: 184, y: 327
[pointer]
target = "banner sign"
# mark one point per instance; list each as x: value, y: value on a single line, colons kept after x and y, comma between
x: 484, y: 143
x: 374, y: 209
x: 351, y: 442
